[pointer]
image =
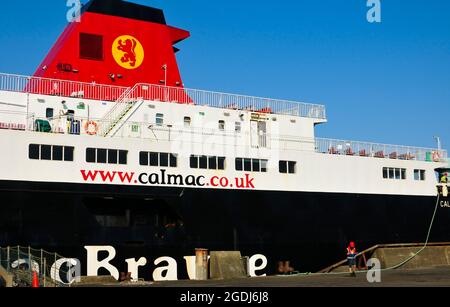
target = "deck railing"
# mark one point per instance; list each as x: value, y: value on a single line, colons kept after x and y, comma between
x: 64, y: 88
x: 21, y: 262
x: 383, y: 151
x: 87, y: 126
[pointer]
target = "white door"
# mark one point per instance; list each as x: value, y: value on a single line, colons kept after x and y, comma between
x: 254, y: 136
x: 262, y: 133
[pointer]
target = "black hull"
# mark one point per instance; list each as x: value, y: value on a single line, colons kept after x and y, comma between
x: 311, y: 230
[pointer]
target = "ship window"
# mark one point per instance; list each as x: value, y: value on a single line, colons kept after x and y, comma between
x: 164, y: 159
x: 50, y: 152
x: 46, y: 152
x: 212, y: 162
x: 264, y: 166
x: 419, y: 175
x: 248, y: 165
x: 187, y: 122
x: 112, y: 156
x: 143, y: 158
x: 385, y: 173
x: 173, y: 160
x: 123, y: 157
x: 158, y: 159
x: 239, y: 162
x: 68, y: 153
x: 251, y: 165
x: 394, y: 173
x: 287, y: 167
x: 283, y: 167
x: 397, y: 174
x: 159, y: 119
x: 33, y: 151
x: 203, y: 164
x: 91, y: 47
x: 154, y: 159
x: 292, y: 167
x: 101, y: 155
x: 256, y: 165
x: 90, y: 155
x: 49, y: 113
x: 391, y: 173
x: 106, y: 156
x: 221, y: 163
x: 57, y: 153
x: 194, y: 162
x: 238, y: 127
x: 221, y: 125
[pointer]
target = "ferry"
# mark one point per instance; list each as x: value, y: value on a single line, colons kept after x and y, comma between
x: 105, y: 146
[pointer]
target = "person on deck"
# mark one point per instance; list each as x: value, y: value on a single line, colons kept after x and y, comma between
x: 351, y: 257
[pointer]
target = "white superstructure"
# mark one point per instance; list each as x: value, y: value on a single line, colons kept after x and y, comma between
x: 269, y: 144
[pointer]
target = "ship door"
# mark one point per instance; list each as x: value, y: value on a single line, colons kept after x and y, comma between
x: 254, y: 133
x: 258, y: 134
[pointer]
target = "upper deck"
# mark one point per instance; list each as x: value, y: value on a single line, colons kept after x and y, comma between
x: 92, y: 91
x: 120, y: 100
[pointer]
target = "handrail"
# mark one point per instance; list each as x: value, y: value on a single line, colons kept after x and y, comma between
x: 376, y: 150
x: 21, y: 262
x: 378, y: 246
x: 65, y: 88
x: 58, y: 87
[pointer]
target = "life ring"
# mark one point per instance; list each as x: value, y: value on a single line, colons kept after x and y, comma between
x: 91, y: 128
x: 436, y: 156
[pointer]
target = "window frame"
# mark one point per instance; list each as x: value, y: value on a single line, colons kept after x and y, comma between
x: 187, y: 122
x: 222, y: 125
x: 420, y: 175
x: 159, y: 119
x: 34, y: 152
x: 57, y: 153
x: 90, y: 42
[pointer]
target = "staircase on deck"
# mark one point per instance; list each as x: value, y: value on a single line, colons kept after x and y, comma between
x: 126, y: 105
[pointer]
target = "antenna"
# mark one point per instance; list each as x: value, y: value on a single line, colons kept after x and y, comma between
x: 438, y: 140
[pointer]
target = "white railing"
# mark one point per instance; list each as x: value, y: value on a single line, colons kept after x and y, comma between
x: 56, y: 87
x: 385, y: 151
x: 63, y: 88
x: 91, y: 126
x: 228, y: 101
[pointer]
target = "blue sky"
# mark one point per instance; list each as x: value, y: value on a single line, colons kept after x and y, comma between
x: 387, y: 82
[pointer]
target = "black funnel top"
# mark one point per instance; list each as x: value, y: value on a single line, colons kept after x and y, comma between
x: 125, y: 9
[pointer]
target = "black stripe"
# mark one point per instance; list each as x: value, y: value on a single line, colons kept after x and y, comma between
x: 124, y: 9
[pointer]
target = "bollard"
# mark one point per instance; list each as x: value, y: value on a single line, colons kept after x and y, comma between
x: 201, y: 264
x: 245, y: 265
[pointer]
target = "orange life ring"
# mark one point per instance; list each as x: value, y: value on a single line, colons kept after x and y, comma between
x: 91, y: 128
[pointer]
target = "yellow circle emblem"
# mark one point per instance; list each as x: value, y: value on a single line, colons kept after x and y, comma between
x: 128, y: 52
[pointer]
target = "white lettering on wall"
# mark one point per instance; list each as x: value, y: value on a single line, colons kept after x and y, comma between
x: 253, y: 267
x: 73, y: 273
x: 166, y: 273
x: 93, y: 264
x: 133, y: 266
